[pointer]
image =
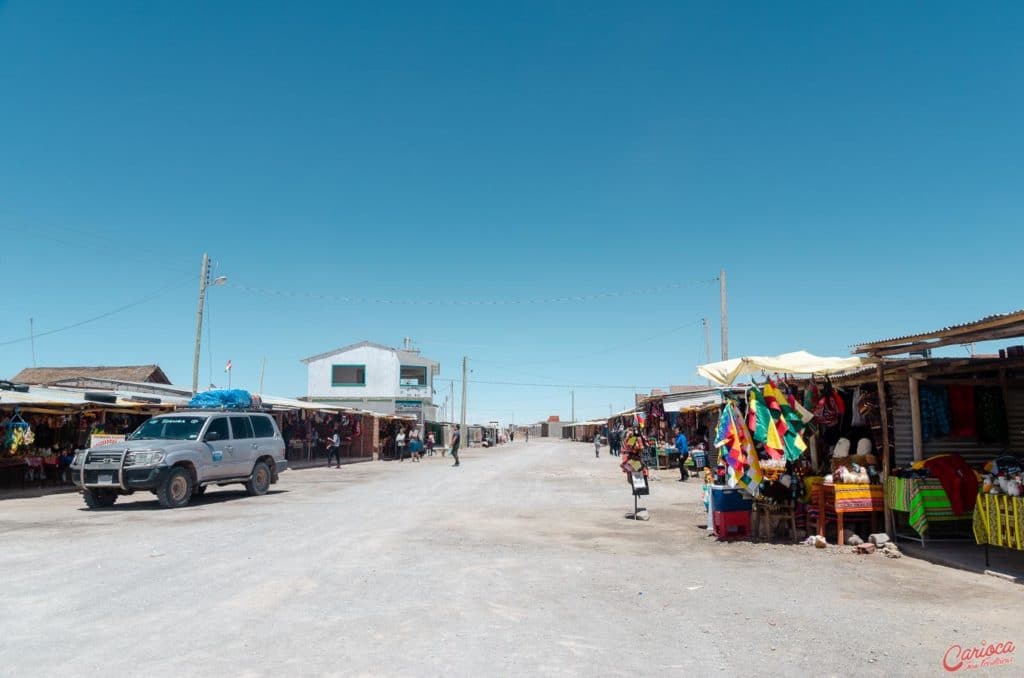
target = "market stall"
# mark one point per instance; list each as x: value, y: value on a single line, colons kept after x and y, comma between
x: 970, y: 408
x: 769, y: 441
x: 40, y: 429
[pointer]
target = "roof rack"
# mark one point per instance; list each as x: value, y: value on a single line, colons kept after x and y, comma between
x: 224, y: 408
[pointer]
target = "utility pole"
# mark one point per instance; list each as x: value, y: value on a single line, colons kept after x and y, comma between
x: 573, y: 395
x: 463, y: 432
x: 32, y: 336
x: 204, y: 279
x: 451, y: 385
x: 263, y: 370
x: 707, y: 343
x: 725, y: 316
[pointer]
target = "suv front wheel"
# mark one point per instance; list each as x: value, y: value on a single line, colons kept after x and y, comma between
x: 259, y: 483
x: 95, y: 499
x: 176, y: 489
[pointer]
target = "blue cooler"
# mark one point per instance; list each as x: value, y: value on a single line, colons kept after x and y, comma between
x: 728, y: 499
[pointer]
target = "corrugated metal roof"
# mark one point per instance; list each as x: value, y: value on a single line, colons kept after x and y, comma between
x: 53, y: 397
x: 920, y: 335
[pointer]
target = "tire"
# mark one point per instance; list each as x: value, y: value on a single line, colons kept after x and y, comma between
x: 95, y: 499
x: 199, y: 490
x: 176, y: 489
x: 259, y: 482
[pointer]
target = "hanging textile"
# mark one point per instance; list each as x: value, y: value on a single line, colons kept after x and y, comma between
x: 762, y: 424
x: 990, y: 412
x: 964, y: 422
x: 811, y: 396
x: 787, y: 421
x: 830, y: 408
x: 737, y: 449
x: 18, y: 435
x: 935, y: 419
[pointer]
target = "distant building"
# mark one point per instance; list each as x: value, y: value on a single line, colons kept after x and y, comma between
x: 91, y: 377
x: 374, y: 377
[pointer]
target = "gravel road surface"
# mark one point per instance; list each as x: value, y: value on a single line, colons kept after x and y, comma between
x: 520, y: 562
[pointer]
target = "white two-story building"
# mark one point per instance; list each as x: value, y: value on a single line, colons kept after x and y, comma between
x: 374, y: 377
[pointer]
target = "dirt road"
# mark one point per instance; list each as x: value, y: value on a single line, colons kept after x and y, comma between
x: 517, y: 563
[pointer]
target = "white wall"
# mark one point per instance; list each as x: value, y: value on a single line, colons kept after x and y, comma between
x: 381, y: 374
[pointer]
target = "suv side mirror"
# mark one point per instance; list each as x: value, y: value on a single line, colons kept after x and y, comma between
x: 211, y: 436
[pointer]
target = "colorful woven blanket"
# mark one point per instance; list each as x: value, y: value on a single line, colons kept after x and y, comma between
x: 999, y: 520
x: 859, y: 498
x: 923, y: 499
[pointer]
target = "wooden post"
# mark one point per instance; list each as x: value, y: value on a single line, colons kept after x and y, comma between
x: 883, y: 406
x: 915, y: 418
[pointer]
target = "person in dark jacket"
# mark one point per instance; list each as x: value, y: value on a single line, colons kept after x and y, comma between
x: 456, y: 439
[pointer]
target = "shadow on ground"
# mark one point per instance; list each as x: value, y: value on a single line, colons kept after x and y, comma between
x: 210, y: 499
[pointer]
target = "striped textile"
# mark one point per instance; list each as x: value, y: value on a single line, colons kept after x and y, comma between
x: 859, y: 498
x: 923, y: 499
x: 999, y: 520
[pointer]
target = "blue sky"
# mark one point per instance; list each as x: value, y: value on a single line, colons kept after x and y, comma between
x: 855, y: 167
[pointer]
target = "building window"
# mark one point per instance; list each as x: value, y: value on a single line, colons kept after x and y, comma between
x: 413, y: 375
x: 348, y: 375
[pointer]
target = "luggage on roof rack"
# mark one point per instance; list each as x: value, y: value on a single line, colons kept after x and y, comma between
x: 225, y: 399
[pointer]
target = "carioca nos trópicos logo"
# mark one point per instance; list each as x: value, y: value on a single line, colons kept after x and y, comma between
x: 986, y: 655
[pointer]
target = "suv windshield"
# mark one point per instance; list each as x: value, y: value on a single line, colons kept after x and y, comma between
x: 169, y: 428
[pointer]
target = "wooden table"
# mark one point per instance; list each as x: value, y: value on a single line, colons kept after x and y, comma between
x: 853, y: 499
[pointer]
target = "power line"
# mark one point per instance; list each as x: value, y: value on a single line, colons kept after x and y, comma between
x: 461, y: 302
x: 635, y: 387
x: 602, y: 351
x: 80, y: 323
x: 79, y: 238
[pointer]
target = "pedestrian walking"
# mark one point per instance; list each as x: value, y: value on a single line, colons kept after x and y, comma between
x: 456, y: 439
x: 334, y: 449
x: 415, y: 446
x: 430, y: 443
x: 400, y: 444
x: 597, y: 445
x: 683, y: 446
x: 615, y: 440
x: 527, y: 435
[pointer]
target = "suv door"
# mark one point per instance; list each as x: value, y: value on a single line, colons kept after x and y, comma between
x: 244, y: 452
x: 218, y: 458
x: 266, y: 438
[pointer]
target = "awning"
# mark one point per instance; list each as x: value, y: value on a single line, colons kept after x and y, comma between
x: 798, y: 362
x: 280, y: 403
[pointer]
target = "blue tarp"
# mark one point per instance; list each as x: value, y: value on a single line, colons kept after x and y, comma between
x: 231, y: 399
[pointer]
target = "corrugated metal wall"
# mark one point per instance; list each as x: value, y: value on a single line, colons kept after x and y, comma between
x: 903, y: 431
x: 971, y: 450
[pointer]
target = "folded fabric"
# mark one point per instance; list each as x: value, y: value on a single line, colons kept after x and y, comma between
x: 958, y: 480
x: 922, y: 499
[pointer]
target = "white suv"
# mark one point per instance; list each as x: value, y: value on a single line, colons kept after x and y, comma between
x: 175, y: 456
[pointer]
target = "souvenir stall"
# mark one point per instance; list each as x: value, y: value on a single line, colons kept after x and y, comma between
x: 387, y: 427
x: 306, y: 426
x: 955, y: 418
x: 586, y: 430
x: 41, y: 428
x: 696, y: 413
x: 770, y: 438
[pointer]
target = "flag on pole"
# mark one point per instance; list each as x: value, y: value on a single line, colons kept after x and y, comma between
x: 227, y: 368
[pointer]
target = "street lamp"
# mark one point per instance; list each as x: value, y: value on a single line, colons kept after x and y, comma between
x: 204, y: 282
